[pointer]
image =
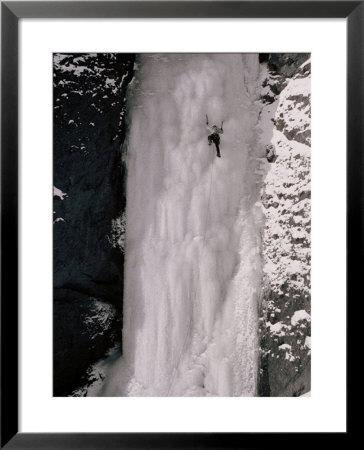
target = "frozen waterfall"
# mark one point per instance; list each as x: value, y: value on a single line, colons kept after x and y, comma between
x: 193, y: 256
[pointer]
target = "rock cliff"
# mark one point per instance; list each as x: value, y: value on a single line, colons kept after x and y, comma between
x: 89, y: 202
x: 285, y: 319
x: 89, y: 218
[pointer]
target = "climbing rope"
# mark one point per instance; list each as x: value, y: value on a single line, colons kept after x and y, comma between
x: 175, y: 370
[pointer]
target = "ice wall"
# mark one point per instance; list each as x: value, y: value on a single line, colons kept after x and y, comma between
x: 193, y: 269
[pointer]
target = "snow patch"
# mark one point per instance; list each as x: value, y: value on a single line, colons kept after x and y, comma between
x: 300, y: 315
x: 58, y: 193
x: 307, y: 394
x: 308, y: 342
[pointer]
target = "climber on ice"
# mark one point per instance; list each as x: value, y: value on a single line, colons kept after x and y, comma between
x: 214, y: 137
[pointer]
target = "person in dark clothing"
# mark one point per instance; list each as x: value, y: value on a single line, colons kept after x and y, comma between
x: 214, y: 136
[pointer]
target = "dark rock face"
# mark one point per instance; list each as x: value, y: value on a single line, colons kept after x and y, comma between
x: 285, y: 343
x: 282, y: 67
x: 84, y: 328
x: 286, y: 64
x: 89, y: 202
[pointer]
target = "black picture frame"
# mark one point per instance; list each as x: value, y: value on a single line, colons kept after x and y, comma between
x: 11, y: 12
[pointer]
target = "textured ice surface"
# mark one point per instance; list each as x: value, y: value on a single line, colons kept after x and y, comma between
x: 193, y: 268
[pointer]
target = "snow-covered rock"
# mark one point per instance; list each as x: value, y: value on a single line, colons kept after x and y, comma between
x: 293, y: 116
x: 285, y: 318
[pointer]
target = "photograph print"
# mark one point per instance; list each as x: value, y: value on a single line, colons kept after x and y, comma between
x: 181, y: 225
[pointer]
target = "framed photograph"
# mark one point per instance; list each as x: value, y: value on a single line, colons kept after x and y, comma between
x: 176, y: 262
